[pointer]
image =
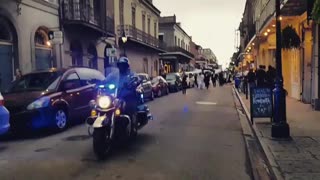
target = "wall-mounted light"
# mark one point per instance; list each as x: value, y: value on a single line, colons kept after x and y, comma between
x: 253, y: 44
x: 268, y: 30
x: 48, y: 43
x: 265, y: 34
x: 273, y: 25
x: 280, y: 18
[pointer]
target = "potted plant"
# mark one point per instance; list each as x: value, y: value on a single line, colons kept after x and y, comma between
x: 316, y: 11
x: 290, y: 38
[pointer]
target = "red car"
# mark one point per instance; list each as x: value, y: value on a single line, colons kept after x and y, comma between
x: 160, y: 86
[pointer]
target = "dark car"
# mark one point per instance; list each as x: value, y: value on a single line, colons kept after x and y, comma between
x: 147, y: 86
x: 174, y: 82
x: 160, y: 86
x: 51, y: 98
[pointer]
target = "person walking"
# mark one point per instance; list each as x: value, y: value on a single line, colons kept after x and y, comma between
x: 201, y: 81
x: 196, y: 80
x: 270, y: 77
x: 214, y: 79
x: 184, y: 83
x: 207, y: 80
x: 221, y: 79
x: 261, y: 76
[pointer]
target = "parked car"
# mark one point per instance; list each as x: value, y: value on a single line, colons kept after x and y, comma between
x: 160, y: 86
x: 51, y: 98
x: 174, y: 82
x: 4, y: 117
x: 147, y: 86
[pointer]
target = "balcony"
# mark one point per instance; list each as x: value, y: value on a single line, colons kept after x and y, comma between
x: 87, y: 14
x: 179, y: 49
x: 142, y: 37
x: 266, y: 12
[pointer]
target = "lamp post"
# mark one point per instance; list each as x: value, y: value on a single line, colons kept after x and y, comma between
x: 280, y: 127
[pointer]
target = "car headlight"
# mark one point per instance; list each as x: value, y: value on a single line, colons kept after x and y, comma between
x: 39, y: 103
x: 104, y: 102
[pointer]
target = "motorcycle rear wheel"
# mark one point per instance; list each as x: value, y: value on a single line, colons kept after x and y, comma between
x: 102, y: 142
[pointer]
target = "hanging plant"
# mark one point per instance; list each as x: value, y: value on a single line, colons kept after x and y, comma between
x: 290, y: 38
x: 316, y: 11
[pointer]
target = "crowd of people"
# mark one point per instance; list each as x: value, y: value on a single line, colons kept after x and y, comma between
x: 202, y: 80
x: 261, y: 78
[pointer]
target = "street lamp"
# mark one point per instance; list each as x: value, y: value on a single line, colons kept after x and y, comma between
x: 280, y: 127
x: 124, y: 39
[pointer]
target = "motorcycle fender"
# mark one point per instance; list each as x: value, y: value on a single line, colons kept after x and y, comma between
x: 98, y: 123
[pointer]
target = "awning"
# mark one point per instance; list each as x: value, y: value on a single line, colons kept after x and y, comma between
x: 294, y: 7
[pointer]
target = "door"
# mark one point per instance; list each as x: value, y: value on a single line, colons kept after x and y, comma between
x: 307, y: 61
x: 71, y: 93
x: 43, y: 58
x: 6, y: 66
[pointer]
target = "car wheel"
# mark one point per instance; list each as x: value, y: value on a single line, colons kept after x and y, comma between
x: 61, y: 119
x: 159, y: 93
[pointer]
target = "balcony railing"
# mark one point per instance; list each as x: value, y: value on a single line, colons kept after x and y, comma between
x: 266, y: 12
x: 179, y: 49
x: 139, y: 35
x: 81, y: 10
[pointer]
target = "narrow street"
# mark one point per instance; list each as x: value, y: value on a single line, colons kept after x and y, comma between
x: 189, y: 139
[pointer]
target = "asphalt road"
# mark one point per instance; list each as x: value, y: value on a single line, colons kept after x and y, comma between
x: 190, y: 139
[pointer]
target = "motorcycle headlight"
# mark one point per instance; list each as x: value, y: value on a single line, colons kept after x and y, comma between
x: 39, y: 103
x: 104, y: 102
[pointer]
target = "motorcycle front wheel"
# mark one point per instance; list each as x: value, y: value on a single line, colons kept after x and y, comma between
x: 101, y: 142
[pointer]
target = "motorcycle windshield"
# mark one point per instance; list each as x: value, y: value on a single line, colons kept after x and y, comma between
x: 111, y: 83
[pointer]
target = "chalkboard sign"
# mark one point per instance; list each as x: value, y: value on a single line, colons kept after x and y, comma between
x: 261, y: 103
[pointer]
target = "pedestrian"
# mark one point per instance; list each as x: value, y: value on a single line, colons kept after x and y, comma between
x: 207, y: 80
x: 221, y: 79
x: 251, y: 79
x: 214, y: 79
x: 201, y: 81
x: 261, y: 76
x: 184, y: 83
x: 196, y: 80
x: 18, y: 74
x: 270, y: 77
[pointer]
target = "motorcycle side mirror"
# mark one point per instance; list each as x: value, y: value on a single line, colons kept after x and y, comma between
x: 92, y: 104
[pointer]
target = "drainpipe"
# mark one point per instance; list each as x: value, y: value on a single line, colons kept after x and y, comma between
x: 61, y: 29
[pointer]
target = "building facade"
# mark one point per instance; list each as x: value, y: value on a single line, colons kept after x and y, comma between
x: 23, y: 37
x: 138, y: 22
x: 177, y: 42
x: 300, y: 72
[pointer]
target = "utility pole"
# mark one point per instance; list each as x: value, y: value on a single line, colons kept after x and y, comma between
x: 280, y: 127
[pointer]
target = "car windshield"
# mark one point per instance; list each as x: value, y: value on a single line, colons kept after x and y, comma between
x: 143, y: 77
x: 36, y: 82
x: 155, y: 80
x: 171, y: 77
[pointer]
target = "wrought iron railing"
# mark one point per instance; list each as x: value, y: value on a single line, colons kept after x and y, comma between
x: 81, y: 10
x: 139, y: 35
x: 179, y: 49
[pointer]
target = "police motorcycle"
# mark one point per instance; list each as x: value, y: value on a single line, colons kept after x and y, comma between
x: 108, y: 123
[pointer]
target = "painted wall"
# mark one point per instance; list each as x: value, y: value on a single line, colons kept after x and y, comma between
x: 33, y: 15
x: 182, y: 36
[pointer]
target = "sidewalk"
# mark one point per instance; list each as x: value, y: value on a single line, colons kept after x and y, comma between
x: 297, y: 159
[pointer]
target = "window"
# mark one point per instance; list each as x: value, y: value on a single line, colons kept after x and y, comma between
x: 161, y: 37
x: 149, y: 21
x: 155, y: 29
x: 74, y: 80
x: 121, y: 10
x: 156, y: 65
x: 145, y: 65
x: 143, y: 23
x: 179, y: 42
x: 133, y: 9
x: 175, y: 41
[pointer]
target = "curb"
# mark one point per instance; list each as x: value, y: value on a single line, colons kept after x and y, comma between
x: 271, y: 163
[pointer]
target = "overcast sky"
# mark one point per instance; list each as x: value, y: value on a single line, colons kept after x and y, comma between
x: 211, y: 23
